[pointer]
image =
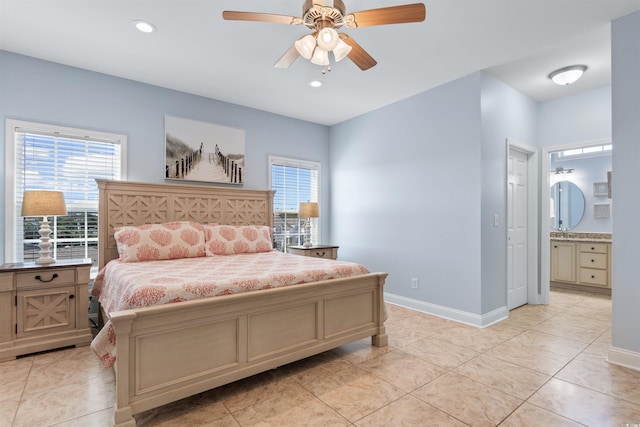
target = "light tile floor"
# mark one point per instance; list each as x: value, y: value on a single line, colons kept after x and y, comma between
x: 544, y: 366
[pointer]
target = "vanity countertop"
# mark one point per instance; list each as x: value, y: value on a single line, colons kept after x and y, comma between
x: 581, y: 237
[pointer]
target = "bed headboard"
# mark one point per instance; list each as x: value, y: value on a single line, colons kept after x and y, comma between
x: 134, y: 203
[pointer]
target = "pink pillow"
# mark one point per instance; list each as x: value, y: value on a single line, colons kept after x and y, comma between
x: 171, y: 240
x: 236, y: 239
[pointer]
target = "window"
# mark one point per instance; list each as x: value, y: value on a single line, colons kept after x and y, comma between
x: 55, y: 158
x: 582, y: 152
x: 294, y: 181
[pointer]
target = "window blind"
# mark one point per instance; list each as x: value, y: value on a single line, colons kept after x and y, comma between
x: 294, y: 181
x: 69, y: 163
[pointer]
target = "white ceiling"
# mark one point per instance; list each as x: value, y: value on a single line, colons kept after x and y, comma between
x: 196, y: 51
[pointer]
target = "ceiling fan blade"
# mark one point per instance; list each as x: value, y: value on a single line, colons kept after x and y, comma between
x: 415, y: 12
x: 287, y: 58
x: 260, y: 17
x: 358, y: 55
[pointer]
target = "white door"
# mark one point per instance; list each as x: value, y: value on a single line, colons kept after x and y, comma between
x: 517, y: 229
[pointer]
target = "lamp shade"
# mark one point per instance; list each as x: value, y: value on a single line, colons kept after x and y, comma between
x: 308, y: 210
x: 43, y: 203
x: 328, y: 39
x: 305, y: 46
x: 341, y: 50
x: 320, y: 57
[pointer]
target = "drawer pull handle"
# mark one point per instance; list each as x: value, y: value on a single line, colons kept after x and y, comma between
x: 72, y: 296
x: 593, y: 260
x: 593, y: 277
x: 55, y: 275
x: 593, y: 249
x: 320, y: 254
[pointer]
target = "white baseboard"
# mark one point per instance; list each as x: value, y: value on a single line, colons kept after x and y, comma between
x: 626, y: 358
x: 480, y: 321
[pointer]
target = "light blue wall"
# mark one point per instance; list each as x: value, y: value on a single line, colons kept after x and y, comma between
x: 506, y: 113
x: 406, y: 193
x: 573, y: 119
x: 429, y: 173
x: 625, y: 60
x: 40, y: 91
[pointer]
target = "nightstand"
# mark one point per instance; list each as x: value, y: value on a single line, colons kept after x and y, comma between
x: 43, y: 307
x: 319, y: 251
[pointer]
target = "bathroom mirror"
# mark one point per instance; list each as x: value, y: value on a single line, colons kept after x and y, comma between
x: 567, y: 205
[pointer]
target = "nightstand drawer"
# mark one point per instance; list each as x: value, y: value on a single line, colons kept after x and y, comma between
x: 330, y: 253
x: 50, y: 277
x: 320, y: 251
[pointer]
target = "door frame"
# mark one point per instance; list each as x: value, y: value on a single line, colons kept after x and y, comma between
x: 545, y: 220
x: 535, y: 294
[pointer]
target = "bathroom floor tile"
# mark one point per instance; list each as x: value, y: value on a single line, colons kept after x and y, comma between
x: 584, y: 405
x: 479, y: 340
x: 504, y: 376
x: 440, y: 352
x: 354, y: 393
x: 402, y: 369
x: 579, y: 328
x: 596, y: 373
x: 408, y: 411
x: 530, y: 415
x: 467, y: 400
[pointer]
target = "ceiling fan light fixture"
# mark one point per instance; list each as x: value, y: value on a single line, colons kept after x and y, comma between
x: 567, y: 75
x: 305, y: 46
x: 341, y: 50
x: 328, y: 39
x: 320, y: 57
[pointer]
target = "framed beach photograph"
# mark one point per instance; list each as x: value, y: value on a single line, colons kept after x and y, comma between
x: 600, y: 188
x: 204, y: 152
x: 601, y: 210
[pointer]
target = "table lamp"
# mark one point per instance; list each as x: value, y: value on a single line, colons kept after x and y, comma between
x: 307, y: 211
x: 44, y: 203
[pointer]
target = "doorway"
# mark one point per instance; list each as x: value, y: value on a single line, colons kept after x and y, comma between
x: 586, y: 166
x: 522, y: 225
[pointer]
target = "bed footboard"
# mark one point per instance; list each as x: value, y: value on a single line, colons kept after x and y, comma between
x: 169, y: 352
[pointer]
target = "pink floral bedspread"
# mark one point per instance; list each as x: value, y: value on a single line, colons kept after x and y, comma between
x: 122, y: 286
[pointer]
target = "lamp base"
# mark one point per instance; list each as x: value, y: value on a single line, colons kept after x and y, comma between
x: 44, y: 245
x: 45, y: 260
x: 307, y: 233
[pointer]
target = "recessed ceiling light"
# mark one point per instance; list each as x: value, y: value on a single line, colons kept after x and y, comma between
x: 567, y: 75
x: 144, y: 26
x: 315, y: 83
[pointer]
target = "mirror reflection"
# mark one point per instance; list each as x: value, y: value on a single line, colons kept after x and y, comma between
x: 567, y: 205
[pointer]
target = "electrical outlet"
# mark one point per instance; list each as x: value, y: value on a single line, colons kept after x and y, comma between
x: 414, y: 283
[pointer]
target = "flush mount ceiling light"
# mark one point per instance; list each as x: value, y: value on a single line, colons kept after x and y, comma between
x: 325, y: 17
x: 567, y: 75
x: 144, y: 26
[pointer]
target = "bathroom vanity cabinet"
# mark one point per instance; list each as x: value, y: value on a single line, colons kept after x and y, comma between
x: 583, y: 264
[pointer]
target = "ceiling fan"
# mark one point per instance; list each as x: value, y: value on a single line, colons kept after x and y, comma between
x: 325, y: 20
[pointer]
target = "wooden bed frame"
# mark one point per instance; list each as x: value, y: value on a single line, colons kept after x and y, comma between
x: 169, y: 352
